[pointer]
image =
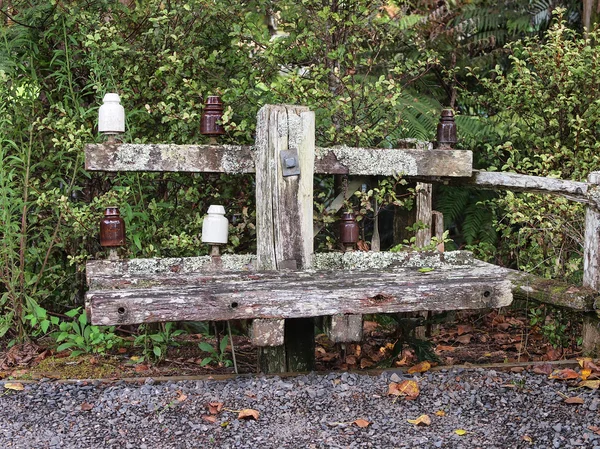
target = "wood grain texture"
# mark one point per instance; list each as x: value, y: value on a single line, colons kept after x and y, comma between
x: 591, y: 272
x: 304, y: 294
x: 241, y: 159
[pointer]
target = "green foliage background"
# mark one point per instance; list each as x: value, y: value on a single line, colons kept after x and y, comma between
x: 373, y: 71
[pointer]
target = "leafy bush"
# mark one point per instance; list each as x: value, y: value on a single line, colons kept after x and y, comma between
x: 81, y: 337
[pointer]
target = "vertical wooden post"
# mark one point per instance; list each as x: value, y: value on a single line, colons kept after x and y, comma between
x: 285, y: 142
x: 423, y: 213
x: 591, y: 272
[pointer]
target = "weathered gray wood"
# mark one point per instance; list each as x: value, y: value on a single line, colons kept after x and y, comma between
x: 146, y: 273
x: 240, y: 159
x: 423, y: 213
x: 344, y: 328
x: 591, y: 271
x: 306, y: 294
x: 437, y: 227
x: 284, y: 212
x: 581, y: 192
x: 267, y: 332
x: 170, y: 158
x: 552, y: 292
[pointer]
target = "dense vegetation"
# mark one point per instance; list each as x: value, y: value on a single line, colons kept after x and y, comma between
x: 373, y: 71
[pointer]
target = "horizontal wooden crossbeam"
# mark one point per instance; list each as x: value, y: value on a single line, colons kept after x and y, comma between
x: 418, y: 161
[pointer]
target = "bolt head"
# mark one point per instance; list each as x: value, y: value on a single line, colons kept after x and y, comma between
x: 290, y: 162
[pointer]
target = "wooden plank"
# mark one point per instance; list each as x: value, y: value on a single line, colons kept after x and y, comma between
x: 267, y: 332
x: 284, y: 216
x: 170, y: 158
x: 591, y: 272
x: 437, y: 227
x: 423, y: 213
x: 241, y: 159
x: 306, y: 294
x: 344, y: 328
x: 581, y: 192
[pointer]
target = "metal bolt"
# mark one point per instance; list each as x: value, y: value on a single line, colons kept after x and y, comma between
x: 290, y: 162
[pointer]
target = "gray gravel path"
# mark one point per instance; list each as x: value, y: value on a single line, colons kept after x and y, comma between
x: 311, y: 411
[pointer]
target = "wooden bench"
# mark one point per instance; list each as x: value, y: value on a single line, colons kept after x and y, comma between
x: 285, y: 284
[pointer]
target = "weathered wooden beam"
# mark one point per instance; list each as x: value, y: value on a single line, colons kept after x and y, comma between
x: 285, y: 156
x: 241, y: 159
x: 591, y: 271
x: 344, y: 328
x: 581, y: 192
x: 299, y: 294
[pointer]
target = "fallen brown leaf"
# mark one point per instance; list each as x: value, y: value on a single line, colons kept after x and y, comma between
x: 464, y: 329
x: 440, y: 348
x: 574, y: 400
x: 592, y: 384
x: 141, y: 367
x: 248, y: 413
x: 546, y: 369
x: 464, y: 339
x: 527, y: 438
x: 17, y: 386
x: 419, y: 368
x: 422, y: 420
x: 86, y: 407
x: 564, y: 374
x: 209, y: 418
x: 181, y: 397
x: 350, y: 360
x: 407, y: 388
x: 362, y: 423
x: 215, y: 408
x: 585, y: 373
x: 370, y: 326
x: 595, y: 429
x: 552, y: 354
x: 366, y: 362
x: 440, y: 413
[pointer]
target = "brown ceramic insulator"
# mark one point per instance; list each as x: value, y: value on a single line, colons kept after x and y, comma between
x: 348, y: 229
x: 213, y: 112
x: 112, y: 228
x: 446, y: 129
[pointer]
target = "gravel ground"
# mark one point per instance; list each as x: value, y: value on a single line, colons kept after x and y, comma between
x: 498, y: 410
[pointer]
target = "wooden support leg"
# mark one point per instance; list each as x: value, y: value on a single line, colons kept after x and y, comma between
x: 285, y: 155
x: 591, y: 271
x: 344, y: 328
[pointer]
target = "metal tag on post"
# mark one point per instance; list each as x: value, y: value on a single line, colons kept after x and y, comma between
x: 290, y: 165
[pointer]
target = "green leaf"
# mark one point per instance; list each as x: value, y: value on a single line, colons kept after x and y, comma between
x: 206, y: 361
x: 206, y: 347
x: 72, y: 313
x: 157, y: 351
x: 64, y: 346
x: 223, y: 345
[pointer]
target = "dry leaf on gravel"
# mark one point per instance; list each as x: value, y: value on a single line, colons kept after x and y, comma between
x: 585, y: 373
x: 440, y: 413
x: 181, y: 397
x: 209, y: 418
x: 594, y: 429
x: 564, y: 374
x: 215, y: 408
x: 460, y: 432
x: 592, y: 384
x: 422, y: 420
x: 362, y: 423
x: 86, y: 407
x: 248, y: 413
x: 527, y: 438
x: 407, y: 388
x: 14, y: 386
x: 419, y: 368
x: 574, y: 400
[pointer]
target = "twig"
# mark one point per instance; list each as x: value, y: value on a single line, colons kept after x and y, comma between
x: 232, y: 348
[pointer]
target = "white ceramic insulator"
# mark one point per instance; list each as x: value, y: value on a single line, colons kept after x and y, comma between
x: 111, y: 116
x: 215, y: 228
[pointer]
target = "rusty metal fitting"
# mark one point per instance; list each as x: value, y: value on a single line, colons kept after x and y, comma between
x: 446, y: 130
x: 212, y: 113
x: 348, y: 231
x: 112, y: 228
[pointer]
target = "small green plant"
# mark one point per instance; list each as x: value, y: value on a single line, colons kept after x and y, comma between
x: 155, y: 345
x: 215, y: 356
x: 84, y: 337
x: 555, y: 326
